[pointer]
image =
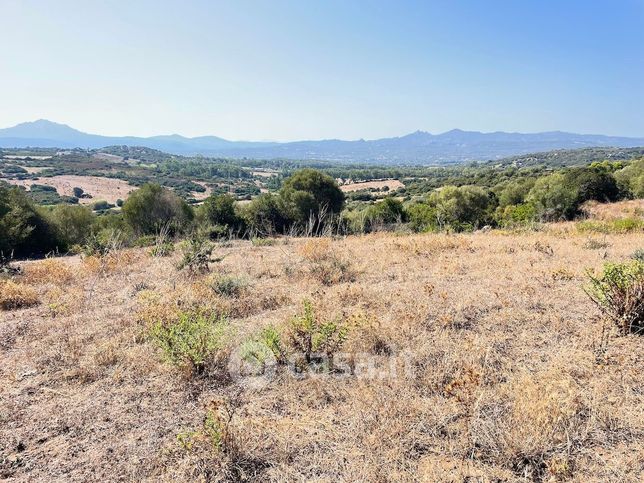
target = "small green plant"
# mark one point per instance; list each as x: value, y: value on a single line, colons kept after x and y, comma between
x: 307, y: 334
x: 623, y: 225
x: 638, y: 255
x: 228, y: 286
x: 263, y: 242
x: 619, y: 293
x: 145, y: 241
x: 263, y: 347
x: 162, y: 249
x: 593, y: 244
x: 197, y: 255
x: 332, y: 270
x: 190, y: 340
x: 102, y: 243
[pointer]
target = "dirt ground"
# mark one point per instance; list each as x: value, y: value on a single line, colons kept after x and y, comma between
x: 509, y: 373
x: 107, y: 189
x: 393, y: 184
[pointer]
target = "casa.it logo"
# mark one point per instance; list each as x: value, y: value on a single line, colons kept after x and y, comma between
x: 252, y: 365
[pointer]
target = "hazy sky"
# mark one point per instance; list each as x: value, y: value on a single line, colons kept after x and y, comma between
x: 309, y: 69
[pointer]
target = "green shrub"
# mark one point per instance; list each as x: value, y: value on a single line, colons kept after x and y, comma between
x: 266, y: 215
x: 311, y: 194
x: 190, y: 340
x: 145, y: 241
x: 307, y: 334
x: 228, y: 286
x: 461, y: 208
x: 638, y: 255
x: 197, y: 255
x: 25, y: 230
x: 263, y: 242
x: 73, y: 224
x: 619, y: 293
x: 515, y: 215
x: 220, y: 210
x: 151, y: 209
x: 162, y: 249
x: 623, y: 225
x: 101, y: 205
x: 422, y: 217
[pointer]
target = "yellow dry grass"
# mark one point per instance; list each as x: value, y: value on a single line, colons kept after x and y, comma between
x: 477, y: 357
x: 50, y: 270
x: 16, y: 295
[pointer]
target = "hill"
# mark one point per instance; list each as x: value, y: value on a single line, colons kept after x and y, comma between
x: 475, y: 356
x: 420, y: 147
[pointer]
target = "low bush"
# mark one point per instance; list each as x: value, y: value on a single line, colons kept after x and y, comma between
x: 307, y: 335
x: 50, y: 270
x: 228, y: 286
x: 326, y: 265
x: 638, y: 255
x: 623, y: 225
x: 619, y: 293
x: 197, y: 255
x: 162, y: 249
x: 593, y: 244
x: 190, y: 340
x: 16, y: 295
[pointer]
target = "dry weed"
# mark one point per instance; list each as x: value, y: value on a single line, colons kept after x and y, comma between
x: 16, y: 295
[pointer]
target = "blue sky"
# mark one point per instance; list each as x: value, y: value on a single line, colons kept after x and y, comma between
x: 286, y: 70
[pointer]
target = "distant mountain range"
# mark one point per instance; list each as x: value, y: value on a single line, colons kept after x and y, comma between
x: 419, y: 147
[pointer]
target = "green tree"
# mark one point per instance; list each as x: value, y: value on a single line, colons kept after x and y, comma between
x: 220, y: 210
x: 631, y: 178
x: 73, y: 224
x: 152, y: 208
x: 386, y: 212
x: 24, y: 230
x: 265, y: 215
x: 461, y: 207
x: 553, y: 198
x: 592, y: 184
x: 311, y: 193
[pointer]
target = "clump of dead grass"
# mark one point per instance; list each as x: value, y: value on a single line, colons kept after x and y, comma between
x: 50, y: 270
x: 533, y: 425
x: 326, y: 264
x: 15, y: 295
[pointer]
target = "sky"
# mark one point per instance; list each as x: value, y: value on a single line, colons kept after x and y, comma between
x: 312, y: 69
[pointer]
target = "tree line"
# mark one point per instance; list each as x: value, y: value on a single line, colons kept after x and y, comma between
x: 310, y: 202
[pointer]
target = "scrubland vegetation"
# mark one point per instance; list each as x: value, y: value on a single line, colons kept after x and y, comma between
x: 486, y: 356
x: 310, y: 202
x: 474, y: 332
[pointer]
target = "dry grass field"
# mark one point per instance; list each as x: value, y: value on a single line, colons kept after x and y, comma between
x: 473, y: 357
x: 108, y: 189
x: 392, y: 184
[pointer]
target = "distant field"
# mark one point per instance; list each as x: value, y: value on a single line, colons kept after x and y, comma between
x: 392, y: 184
x: 107, y: 189
x: 613, y: 211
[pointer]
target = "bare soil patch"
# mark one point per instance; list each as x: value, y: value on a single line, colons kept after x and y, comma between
x: 392, y: 184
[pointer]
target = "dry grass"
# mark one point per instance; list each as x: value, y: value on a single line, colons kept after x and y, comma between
x: 16, y: 295
x: 615, y: 211
x: 392, y: 184
x: 51, y: 270
x: 108, y: 189
x: 476, y: 357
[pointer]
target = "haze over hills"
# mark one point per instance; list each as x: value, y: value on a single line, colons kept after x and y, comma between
x: 419, y: 147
